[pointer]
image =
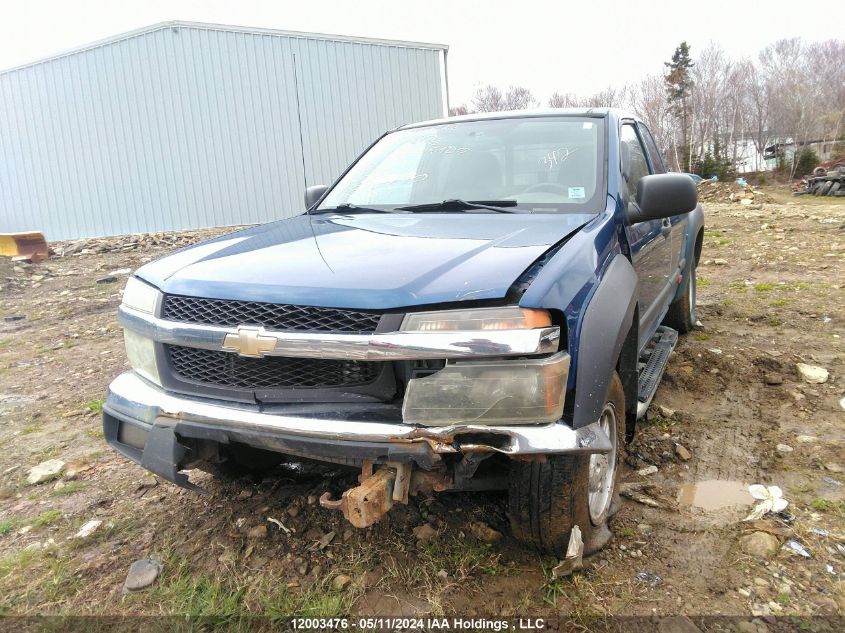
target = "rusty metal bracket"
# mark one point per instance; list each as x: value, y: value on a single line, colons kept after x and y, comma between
x: 366, y: 504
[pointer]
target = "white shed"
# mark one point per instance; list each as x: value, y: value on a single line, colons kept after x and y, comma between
x: 184, y: 125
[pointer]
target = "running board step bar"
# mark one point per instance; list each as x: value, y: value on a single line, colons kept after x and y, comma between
x: 651, y: 365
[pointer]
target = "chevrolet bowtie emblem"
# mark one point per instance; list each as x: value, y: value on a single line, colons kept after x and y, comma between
x: 250, y: 341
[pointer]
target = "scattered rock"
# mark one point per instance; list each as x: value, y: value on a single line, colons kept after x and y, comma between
x: 761, y: 582
x: 827, y: 606
x: 142, y: 573
x: 773, y: 379
x: 484, y: 532
x: 677, y: 624
x: 424, y: 532
x: 665, y: 412
x: 648, y: 470
x: 259, y: 531
x: 74, y: 469
x: 106, y: 280
x: 682, y: 452
x: 443, y: 574
x: 645, y: 528
x: 88, y: 529
x: 812, y: 373
x: 806, y: 439
x: 293, y: 511
x: 752, y: 626
x: 834, y: 467
x: 311, y: 500
x: 784, y: 448
x: 759, y: 544
x: 745, y: 593
x: 45, y: 471
x: 341, y: 582
x: 244, y: 494
x: 327, y: 538
x: 842, y: 403
x: 720, y: 262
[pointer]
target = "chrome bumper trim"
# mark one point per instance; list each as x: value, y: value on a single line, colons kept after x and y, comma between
x: 133, y: 398
x: 388, y: 346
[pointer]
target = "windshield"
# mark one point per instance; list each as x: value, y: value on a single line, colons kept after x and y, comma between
x: 538, y: 164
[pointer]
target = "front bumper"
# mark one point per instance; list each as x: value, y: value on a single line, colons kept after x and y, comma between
x: 139, y: 417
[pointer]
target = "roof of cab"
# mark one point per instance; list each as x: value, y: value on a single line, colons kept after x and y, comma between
x: 523, y: 114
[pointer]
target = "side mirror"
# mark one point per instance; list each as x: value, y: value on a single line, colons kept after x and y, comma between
x: 313, y: 194
x: 662, y: 196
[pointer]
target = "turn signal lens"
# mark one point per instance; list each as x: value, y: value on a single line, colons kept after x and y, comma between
x: 509, y: 318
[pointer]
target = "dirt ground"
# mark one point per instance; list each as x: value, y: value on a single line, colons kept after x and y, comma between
x: 770, y: 295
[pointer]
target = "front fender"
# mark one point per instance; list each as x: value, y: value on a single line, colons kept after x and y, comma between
x: 604, y: 326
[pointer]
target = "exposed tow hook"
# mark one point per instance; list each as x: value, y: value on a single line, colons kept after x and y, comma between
x: 368, y: 502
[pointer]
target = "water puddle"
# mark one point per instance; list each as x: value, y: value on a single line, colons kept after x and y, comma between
x: 714, y: 494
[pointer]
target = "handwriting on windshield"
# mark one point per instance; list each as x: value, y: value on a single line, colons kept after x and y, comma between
x: 556, y: 157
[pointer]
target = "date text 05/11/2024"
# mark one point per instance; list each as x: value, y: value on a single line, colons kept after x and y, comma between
x: 406, y: 623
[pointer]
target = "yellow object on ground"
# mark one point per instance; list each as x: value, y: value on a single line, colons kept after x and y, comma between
x: 30, y: 245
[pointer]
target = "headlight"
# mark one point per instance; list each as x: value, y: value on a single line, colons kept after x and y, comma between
x: 489, y: 392
x: 140, y: 296
x: 508, y: 318
x: 139, y: 349
x: 142, y: 355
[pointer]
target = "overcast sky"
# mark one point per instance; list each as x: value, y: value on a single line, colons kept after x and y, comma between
x: 546, y: 46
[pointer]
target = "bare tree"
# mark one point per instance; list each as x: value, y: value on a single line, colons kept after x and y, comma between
x: 561, y: 100
x: 519, y: 98
x: 458, y: 110
x: 488, y: 99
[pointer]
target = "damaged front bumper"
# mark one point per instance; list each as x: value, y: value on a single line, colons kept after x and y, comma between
x: 155, y: 428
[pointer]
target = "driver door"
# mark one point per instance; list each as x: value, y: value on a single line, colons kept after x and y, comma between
x: 651, y: 251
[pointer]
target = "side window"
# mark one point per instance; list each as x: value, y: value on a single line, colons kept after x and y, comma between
x: 658, y: 166
x: 639, y: 164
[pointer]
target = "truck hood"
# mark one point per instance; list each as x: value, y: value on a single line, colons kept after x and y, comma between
x: 368, y: 261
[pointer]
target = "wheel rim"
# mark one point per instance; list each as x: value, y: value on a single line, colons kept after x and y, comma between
x: 602, y: 470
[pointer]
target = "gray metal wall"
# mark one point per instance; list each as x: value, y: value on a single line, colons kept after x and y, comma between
x: 195, y: 126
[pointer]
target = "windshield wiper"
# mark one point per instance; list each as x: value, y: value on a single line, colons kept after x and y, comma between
x: 456, y: 204
x: 350, y: 208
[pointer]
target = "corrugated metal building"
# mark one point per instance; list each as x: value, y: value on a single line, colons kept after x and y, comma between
x: 185, y: 125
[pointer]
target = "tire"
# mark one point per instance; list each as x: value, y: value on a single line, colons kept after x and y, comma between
x: 834, y: 188
x: 681, y: 315
x: 546, y: 499
x: 825, y: 188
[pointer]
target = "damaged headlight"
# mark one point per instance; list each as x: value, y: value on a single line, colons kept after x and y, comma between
x: 139, y: 349
x: 489, y: 392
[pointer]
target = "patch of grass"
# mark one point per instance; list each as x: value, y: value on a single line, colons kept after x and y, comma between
x: 626, y: 532
x: 97, y: 434
x: 95, y: 406
x: 773, y: 321
x: 702, y: 337
x: 712, y: 234
x: 724, y: 241
x: 29, y: 428
x: 783, y: 598
x: 48, y: 517
x: 68, y: 489
x: 763, y: 286
x: 779, y: 303
x: 6, y: 526
x: 702, y: 282
x: 826, y: 505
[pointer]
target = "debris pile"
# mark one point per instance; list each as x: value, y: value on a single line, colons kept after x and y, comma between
x: 718, y: 191
x: 140, y: 241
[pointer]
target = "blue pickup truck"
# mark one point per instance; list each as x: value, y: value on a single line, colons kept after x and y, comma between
x: 477, y: 303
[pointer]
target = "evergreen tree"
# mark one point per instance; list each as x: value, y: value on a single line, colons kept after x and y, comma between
x: 678, y: 88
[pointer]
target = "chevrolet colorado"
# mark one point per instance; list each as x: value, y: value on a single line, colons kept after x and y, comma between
x: 480, y: 302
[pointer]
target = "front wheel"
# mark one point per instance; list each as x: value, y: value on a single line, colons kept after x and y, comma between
x: 548, y: 498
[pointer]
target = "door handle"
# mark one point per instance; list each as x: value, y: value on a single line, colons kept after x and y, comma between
x: 666, y: 228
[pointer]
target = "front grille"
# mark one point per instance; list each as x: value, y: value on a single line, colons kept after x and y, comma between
x: 273, y: 316
x: 224, y: 369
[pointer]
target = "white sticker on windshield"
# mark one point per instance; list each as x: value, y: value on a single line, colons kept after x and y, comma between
x: 587, y: 126
x: 576, y: 192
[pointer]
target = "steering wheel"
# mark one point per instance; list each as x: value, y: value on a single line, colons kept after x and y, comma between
x: 546, y: 186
